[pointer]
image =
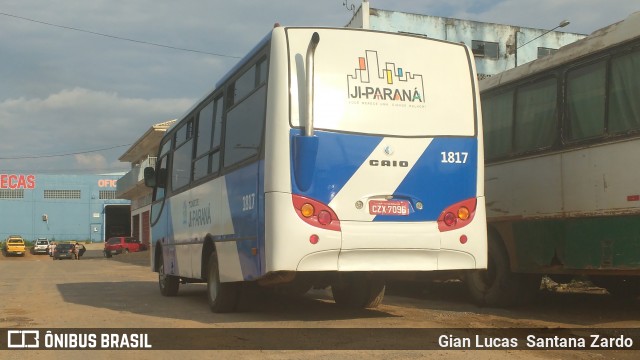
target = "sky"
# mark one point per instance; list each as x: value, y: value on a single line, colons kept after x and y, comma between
x: 73, y: 101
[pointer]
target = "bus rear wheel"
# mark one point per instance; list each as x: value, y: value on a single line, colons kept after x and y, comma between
x: 169, y: 284
x: 222, y: 297
x: 358, y: 291
x: 498, y: 286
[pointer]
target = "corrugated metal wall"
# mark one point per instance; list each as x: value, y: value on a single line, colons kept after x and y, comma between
x: 60, y: 207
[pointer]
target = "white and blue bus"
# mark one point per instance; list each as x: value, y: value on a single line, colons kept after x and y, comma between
x: 325, y: 157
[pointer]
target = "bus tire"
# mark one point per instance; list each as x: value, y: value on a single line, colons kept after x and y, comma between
x: 169, y: 284
x: 498, y: 286
x: 358, y: 291
x: 222, y: 297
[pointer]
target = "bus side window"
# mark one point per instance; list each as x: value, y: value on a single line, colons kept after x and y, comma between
x: 585, y: 99
x: 182, y: 157
x: 624, y: 91
x: 203, y: 142
x: 243, y: 130
x: 217, y: 136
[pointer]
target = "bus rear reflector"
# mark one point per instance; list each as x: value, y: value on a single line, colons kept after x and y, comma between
x: 457, y: 215
x: 315, y: 213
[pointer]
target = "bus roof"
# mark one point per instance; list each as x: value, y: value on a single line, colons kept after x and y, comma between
x: 612, y: 35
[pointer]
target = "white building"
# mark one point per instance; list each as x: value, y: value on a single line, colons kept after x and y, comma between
x: 496, y: 47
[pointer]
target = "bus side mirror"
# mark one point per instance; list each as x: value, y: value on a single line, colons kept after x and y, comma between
x: 150, y: 177
x: 161, y: 178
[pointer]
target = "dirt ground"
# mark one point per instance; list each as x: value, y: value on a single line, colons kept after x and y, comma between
x: 121, y: 293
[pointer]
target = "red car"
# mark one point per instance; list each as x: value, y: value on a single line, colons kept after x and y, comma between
x: 121, y: 244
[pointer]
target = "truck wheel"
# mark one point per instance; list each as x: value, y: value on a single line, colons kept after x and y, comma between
x: 358, y: 291
x: 169, y: 284
x: 125, y: 251
x: 498, y: 286
x: 222, y: 297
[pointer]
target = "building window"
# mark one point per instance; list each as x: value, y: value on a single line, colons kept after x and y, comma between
x: 485, y: 49
x: 543, y: 51
x: 62, y: 194
x: 11, y: 194
x: 107, y: 194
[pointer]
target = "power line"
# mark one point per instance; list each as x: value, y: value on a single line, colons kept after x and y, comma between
x: 118, y: 37
x: 66, y: 171
x: 58, y: 155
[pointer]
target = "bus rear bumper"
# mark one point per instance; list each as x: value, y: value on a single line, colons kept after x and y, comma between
x: 386, y: 260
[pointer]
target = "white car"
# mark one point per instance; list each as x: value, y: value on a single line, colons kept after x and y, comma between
x: 40, y: 246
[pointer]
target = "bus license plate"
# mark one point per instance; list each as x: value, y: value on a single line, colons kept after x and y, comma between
x: 390, y: 208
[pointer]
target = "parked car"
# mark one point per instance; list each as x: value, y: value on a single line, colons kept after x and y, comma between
x: 14, y: 245
x: 40, y: 246
x: 63, y: 251
x: 122, y: 245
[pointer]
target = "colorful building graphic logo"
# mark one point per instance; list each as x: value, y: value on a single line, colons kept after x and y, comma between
x: 387, y: 82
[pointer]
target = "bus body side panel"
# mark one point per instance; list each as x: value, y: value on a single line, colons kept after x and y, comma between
x: 569, y: 211
x: 162, y: 235
x: 244, y: 202
x: 281, y: 222
x: 224, y: 209
x: 586, y: 245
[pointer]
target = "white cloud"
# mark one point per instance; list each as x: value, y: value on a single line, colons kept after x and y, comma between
x: 91, y: 161
x: 76, y: 120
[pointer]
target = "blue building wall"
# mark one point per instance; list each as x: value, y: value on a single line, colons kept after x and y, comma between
x: 60, y: 207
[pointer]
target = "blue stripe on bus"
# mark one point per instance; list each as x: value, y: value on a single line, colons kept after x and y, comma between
x: 261, y: 221
x: 242, y: 193
x: 433, y: 180
x: 437, y: 182
x: 338, y: 157
x: 164, y: 227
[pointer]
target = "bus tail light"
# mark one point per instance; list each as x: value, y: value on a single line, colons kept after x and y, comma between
x: 315, y: 213
x: 457, y: 215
